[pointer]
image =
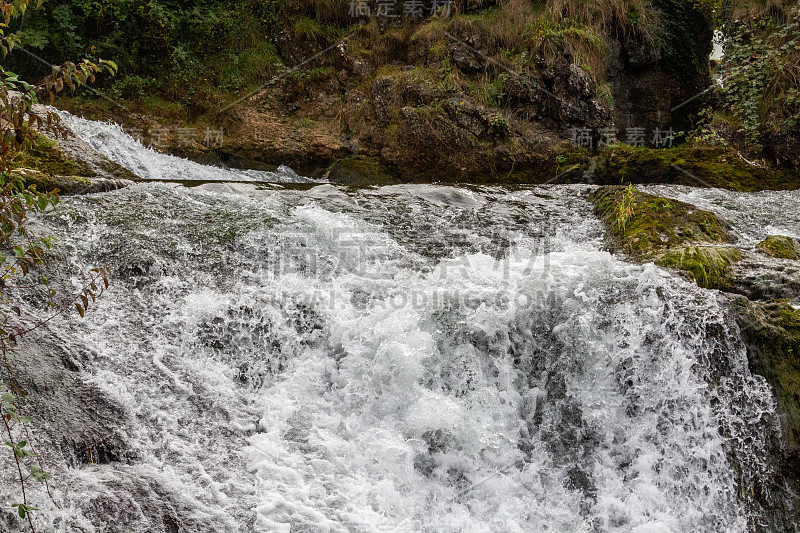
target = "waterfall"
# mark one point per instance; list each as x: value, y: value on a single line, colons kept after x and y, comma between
x: 113, y: 142
x: 405, y: 358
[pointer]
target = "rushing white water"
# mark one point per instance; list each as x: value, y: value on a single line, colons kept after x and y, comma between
x: 111, y: 141
x: 410, y: 358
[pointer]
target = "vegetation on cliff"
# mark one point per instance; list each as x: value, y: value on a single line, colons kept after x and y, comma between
x: 759, y: 90
x: 223, y: 46
x: 491, y: 93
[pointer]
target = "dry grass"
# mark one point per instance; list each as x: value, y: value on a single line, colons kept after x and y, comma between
x: 780, y: 9
x: 602, y: 14
x: 585, y: 45
x: 509, y: 24
x: 524, y: 28
x: 516, y: 31
x: 324, y: 11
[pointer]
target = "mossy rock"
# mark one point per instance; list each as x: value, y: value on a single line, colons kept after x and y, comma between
x: 42, y: 154
x: 117, y: 171
x: 708, y: 266
x: 779, y: 246
x: 654, y: 224
x: 686, y: 165
x: 670, y: 233
x: 58, y: 167
x: 772, y: 333
x: 361, y: 170
x: 66, y: 184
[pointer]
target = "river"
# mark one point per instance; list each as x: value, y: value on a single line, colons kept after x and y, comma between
x: 311, y: 357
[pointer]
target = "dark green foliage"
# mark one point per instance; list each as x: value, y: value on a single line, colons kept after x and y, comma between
x: 687, y: 26
x: 762, y: 78
x: 179, y: 50
x: 163, y: 47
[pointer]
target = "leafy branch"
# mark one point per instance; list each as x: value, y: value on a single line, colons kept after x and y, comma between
x: 22, y: 252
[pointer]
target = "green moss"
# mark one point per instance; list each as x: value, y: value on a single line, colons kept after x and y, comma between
x: 673, y: 234
x: 708, y: 266
x: 50, y: 182
x: 682, y: 165
x: 42, y: 154
x: 772, y: 333
x: 779, y: 246
x: 361, y: 170
x: 686, y: 165
x: 657, y: 224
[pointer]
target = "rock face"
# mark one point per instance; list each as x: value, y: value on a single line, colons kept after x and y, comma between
x: 762, y: 278
x: 77, y: 426
x: 658, y: 74
x: 771, y: 332
x: 69, y: 184
x: 72, y: 417
x: 267, y: 139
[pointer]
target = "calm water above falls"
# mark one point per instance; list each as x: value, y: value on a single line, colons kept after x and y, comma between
x: 409, y: 358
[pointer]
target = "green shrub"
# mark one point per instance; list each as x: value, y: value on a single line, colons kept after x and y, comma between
x: 761, y: 72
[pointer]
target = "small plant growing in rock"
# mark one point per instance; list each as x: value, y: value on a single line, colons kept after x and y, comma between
x: 496, y: 94
x: 499, y: 126
x: 627, y: 207
x: 560, y: 160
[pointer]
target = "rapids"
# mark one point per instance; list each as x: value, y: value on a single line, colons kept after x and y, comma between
x: 403, y: 358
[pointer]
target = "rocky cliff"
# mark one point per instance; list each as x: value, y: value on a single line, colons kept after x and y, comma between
x: 508, y: 91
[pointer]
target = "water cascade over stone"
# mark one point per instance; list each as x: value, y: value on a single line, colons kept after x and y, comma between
x: 403, y: 358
